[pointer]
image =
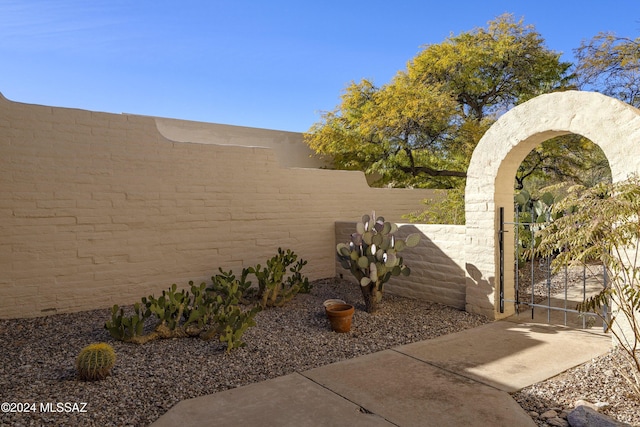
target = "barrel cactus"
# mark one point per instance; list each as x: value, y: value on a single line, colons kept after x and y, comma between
x: 95, y: 361
x: 372, y: 256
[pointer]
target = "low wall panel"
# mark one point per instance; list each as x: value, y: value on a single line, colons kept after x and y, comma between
x: 437, y: 263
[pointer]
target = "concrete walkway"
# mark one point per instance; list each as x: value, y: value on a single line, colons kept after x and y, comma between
x: 459, y: 379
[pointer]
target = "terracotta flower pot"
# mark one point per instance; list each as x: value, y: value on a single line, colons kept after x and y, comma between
x: 340, y: 316
x: 329, y: 302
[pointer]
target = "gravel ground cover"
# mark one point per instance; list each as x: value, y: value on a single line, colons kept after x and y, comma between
x: 600, y: 381
x: 38, y: 356
x: 571, y: 278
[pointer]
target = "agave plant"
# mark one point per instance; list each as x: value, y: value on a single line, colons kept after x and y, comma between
x: 373, y: 258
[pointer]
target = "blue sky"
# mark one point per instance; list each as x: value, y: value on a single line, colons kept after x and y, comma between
x: 272, y: 64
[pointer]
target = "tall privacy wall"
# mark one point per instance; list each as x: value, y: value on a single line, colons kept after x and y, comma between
x: 289, y: 147
x: 437, y: 264
x: 98, y: 208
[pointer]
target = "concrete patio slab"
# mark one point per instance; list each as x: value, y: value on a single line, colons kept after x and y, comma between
x: 408, y: 392
x: 510, y: 355
x: 458, y: 379
x: 291, y: 400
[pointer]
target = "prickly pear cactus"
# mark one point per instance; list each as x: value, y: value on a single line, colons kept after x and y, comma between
x: 532, y: 215
x: 95, y: 361
x: 373, y: 257
x: 127, y: 328
x: 208, y: 312
x: 233, y: 323
x: 276, y: 286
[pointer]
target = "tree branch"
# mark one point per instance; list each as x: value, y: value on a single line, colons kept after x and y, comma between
x: 416, y: 170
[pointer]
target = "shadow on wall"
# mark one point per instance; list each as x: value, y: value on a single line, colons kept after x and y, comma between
x: 436, y: 263
x: 479, y: 288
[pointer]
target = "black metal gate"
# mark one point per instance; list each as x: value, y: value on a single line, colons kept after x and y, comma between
x: 537, y: 289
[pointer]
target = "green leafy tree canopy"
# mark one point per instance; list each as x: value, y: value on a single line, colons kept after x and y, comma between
x: 420, y: 129
x: 611, y: 65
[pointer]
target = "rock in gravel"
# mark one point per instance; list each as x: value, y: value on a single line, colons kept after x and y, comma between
x: 557, y: 422
x: 595, y: 406
x: 585, y: 416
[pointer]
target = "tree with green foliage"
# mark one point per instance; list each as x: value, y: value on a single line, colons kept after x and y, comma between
x: 608, y: 64
x: 444, y: 207
x: 388, y: 131
x: 569, y: 159
x: 420, y: 129
x: 491, y: 70
x: 611, y: 65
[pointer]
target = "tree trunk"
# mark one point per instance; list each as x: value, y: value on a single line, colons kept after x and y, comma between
x: 371, y: 302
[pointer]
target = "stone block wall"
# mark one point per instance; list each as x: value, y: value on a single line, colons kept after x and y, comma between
x: 98, y: 209
x: 437, y: 263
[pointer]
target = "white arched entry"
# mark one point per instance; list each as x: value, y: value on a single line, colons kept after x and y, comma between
x: 611, y: 124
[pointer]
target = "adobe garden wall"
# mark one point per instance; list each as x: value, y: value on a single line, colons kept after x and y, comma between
x: 288, y: 147
x: 613, y: 125
x: 437, y: 263
x: 98, y: 208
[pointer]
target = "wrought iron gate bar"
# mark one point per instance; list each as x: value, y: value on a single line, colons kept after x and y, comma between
x: 568, y: 310
x: 547, y: 267
x: 501, y: 245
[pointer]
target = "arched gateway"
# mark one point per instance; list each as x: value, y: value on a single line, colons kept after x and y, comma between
x: 611, y: 124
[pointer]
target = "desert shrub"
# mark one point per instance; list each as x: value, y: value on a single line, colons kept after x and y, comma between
x: 602, y: 224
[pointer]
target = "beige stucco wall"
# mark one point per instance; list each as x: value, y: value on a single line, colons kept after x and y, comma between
x: 288, y: 147
x: 437, y: 263
x: 609, y: 123
x: 98, y: 208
